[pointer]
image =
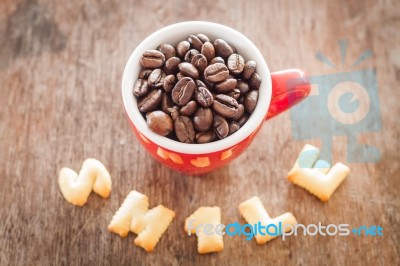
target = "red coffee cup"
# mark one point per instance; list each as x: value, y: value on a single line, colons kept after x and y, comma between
x: 278, y: 92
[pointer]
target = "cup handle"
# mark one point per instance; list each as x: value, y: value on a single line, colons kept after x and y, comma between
x: 289, y: 87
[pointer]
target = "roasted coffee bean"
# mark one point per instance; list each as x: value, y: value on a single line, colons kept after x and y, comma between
x: 255, y: 81
x: 243, y: 86
x: 200, y: 83
x: 171, y: 65
x: 167, y: 49
x: 159, y: 122
x: 184, y: 129
x: 205, y: 137
x: 225, y: 106
x: 243, y: 120
x: 200, y: 62
x: 222, y: 48
x: 235, y: 63
x: 183, y: 91
x: 250, y: 101
x: 239, y: 113
x: 221, y: 127
x: 156, y: 78
x: 241, y: 99
x: 216, y: 72
x: 166, y: 102
x: 150, y: 101
x: 226, y: 86
x: 189, y: 70
x: 140, y: 88
x: 189, y: 55
x: 217, y: 59
x: 249, y: 69
x: 195, y: 42
x: 235, y: 94
x: 203, y: 119
x: 180, y: 76
x: 208, y: 51
x: 233, y: 127
x: 152, y: 59
x: 203, y: 38
x: 169, y: 83
x: 203, y: 96
x: 189, y: 108
x: 174, y: 112
x: 182, y: 48
x: 145, y: 73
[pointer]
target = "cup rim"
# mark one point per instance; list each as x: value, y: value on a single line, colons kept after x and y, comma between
x: 130, y: 102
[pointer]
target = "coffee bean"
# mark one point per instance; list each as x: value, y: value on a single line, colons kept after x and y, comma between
x: 145, y: 73
x: 221, y: 127
x: 249, y: 69
x: 226, y: 86
x: 235, y: 94
x: 233, y: 127
x: 189, y: 70
x: 182, y: 48
x: 167, y: 49
x: 203, y: 38
x: 243, y: 86
x: 222, y: 48
x: 159, y: 122
x: 203, y: 119
x: 217, y: 60
x: 166, y: 102
x: 195, y: 42
x: 140, y: 88
x: 150, y: 101
x: 235, y: 64
x: 200, y: 83
x: 152, y: 59
x: 189, y: 55
x: 205, y: 137
x: 200, y: 62
x: 208, y: 51
x: 189, y: 108
x: 174, y: 112
x: 216, y: 72
x: 203, y: 96
x: 243, y: 120
x: 171, y: 65
x: 156, y: 78
x: 239, y: 113
x: 184, y: 129
x: 255, y: 81
x: 183, y: 91
x: 169, y: 83
x: 250, y: 101
x: 225, y: 106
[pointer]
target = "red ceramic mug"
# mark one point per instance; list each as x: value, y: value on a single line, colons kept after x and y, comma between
x: 278, y: 92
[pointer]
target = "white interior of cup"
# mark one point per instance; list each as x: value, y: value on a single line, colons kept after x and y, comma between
x: 173, y: 34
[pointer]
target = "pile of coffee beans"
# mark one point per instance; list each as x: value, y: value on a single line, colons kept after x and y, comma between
x: 198, y: 91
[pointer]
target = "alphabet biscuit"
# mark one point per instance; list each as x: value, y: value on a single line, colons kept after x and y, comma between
x: 92, y: 176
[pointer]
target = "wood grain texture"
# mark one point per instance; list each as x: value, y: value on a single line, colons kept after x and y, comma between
x: 61, y: 66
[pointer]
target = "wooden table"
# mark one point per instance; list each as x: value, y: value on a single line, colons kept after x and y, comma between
x: 61, y: 66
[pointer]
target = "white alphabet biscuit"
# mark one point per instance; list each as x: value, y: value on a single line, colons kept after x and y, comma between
x: 196, y: 223
x: 315, y: 176
x: 254, y: 212
x: 92, y: 176
x: 134, y: 215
